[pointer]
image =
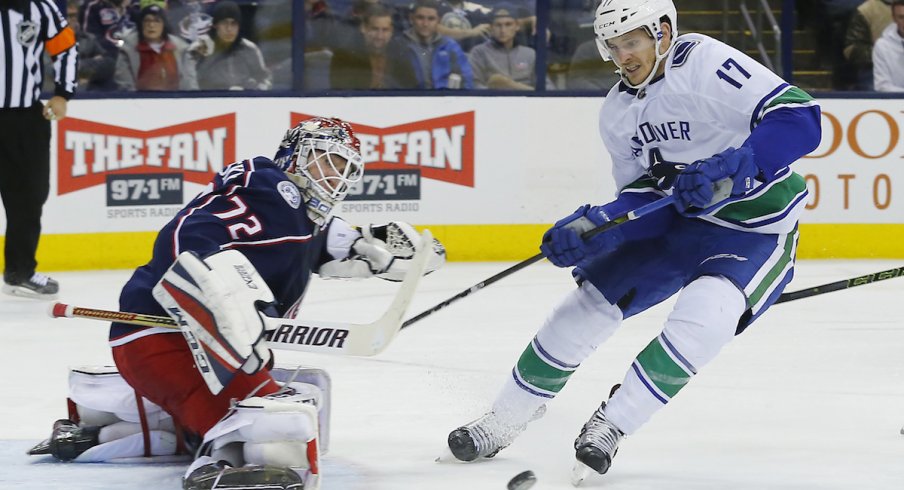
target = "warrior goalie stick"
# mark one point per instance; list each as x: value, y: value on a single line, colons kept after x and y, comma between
x: 349, y: 339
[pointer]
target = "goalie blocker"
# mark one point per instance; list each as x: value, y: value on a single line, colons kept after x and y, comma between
x: 216, y: 302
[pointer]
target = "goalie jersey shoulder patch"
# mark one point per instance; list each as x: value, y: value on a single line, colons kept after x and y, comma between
x: 290, y: 193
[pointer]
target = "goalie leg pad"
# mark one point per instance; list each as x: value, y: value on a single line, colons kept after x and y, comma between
x: 214, y: 475
x: 275, y: 430
x: 215, y: 301
x: 107, y: 423
x: 316, y: 383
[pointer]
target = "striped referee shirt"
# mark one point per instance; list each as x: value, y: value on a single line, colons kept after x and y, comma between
x: 27, y: 29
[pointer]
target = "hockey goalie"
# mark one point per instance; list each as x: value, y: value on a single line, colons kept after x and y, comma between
x: 208, y: 393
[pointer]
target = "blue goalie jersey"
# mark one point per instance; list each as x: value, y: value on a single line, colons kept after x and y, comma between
x: 249, y: 206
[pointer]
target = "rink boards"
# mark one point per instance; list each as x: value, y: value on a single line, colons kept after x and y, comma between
x: 486, y: 174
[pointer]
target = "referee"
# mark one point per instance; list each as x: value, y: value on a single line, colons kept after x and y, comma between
x: 27, y: 29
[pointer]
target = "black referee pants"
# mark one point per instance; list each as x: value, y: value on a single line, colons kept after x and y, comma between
x: 24, y: 185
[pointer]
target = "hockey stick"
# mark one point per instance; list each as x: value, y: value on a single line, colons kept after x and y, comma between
x: 349, y: 339
x: 629, y: 216
x: 839, y: 285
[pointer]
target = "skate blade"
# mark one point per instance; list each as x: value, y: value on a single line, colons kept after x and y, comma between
x: 579, y: 473
x: 23, y: 292
x: 41, y: 448
x: 446, y: 456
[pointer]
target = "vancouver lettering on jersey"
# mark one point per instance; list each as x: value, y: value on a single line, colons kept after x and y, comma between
x: 671, y: 130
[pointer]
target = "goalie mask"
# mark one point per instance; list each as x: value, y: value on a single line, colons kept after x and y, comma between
x: 322, y: 156
x: 617, y: 17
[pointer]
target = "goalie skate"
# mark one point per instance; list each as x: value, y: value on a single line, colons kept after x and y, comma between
x: 67, y: 441
x: 595, y: 446
x: 486, y: 436
x: 221, y: 476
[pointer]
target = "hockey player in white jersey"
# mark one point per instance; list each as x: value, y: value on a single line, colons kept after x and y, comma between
x: 698, y: 120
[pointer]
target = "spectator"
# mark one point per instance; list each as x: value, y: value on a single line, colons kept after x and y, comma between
x: 588, y: 70
x: 273, y: 23
x: 188, y: 17
x: 359, y: 9
x: 465, y: 22
x: 234, y: 63
x: 866, y: 26
x: 109, y: 22
x: 323, y: 31
x: 888, y: 53
x: 349, y: 24
x: 438, y: 61
x: 830, y: 20
x: 153, y: 59
x: 374, y: 59
x: 320, y: 25
x: 95, y: 65
x: 501, y: 62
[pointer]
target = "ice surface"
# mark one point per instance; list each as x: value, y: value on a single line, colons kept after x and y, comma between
x: 812, y: 396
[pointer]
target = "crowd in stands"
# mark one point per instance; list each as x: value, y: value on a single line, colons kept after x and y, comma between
x: 863, y: 42
x: 154, y: 45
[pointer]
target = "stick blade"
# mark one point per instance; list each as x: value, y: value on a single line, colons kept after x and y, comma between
x: 388, y: 325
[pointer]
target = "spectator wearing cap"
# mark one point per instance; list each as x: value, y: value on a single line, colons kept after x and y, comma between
x: 153, y: 59
x: 230, y: 62
x: 438, y: 61
x: 888, y: 53
x: 501, y: 62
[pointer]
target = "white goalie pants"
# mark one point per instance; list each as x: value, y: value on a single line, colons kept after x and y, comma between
x: 134, y: 429
x: 704, y: 319
x: 131, y: 427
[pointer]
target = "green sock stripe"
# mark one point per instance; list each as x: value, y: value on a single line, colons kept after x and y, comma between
x: 663, y: 371
x: 775, y: 273
x: 539, y: 374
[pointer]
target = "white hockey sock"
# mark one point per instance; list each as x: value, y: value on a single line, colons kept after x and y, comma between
x: 574, y: 329
x: 704, y: 320
x: 516, y: 406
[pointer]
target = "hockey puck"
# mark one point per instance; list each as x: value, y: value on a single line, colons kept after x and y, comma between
x: 522, y: 481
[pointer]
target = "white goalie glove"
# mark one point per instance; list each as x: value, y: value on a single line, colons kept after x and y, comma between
x: 384, y: 251
x: 217, y: 301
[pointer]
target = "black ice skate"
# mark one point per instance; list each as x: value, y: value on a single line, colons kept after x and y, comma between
x: 486, y: 436
x: 36, y: 286
x: 595, y: 446
x: 222, y: 476
x: 67, y: 441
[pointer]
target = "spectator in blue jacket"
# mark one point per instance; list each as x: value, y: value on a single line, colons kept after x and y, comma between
x: 439, y: 62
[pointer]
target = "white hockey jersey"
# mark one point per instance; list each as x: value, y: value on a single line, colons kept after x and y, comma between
x: 710, y: 98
